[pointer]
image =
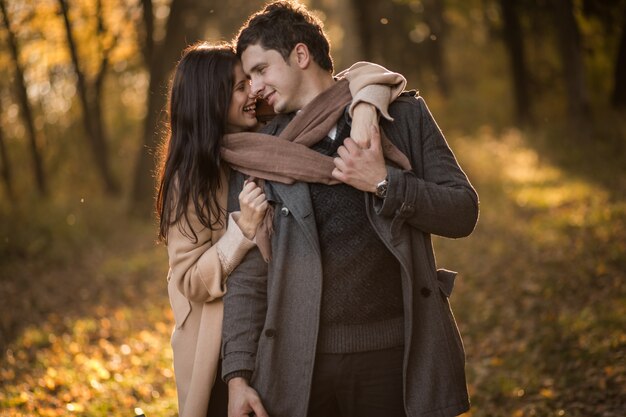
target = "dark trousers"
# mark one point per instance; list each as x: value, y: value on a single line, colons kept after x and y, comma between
x: 366, y: 384
x: 218, y: 402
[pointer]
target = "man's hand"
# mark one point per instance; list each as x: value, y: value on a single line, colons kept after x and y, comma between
x: 243, y: 400
x: 364, y: 117
x: 361, y: 168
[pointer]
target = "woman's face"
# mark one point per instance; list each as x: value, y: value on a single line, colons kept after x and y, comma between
x: 242, y: 110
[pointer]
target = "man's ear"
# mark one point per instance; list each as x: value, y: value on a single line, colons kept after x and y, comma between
x: 301, y: 55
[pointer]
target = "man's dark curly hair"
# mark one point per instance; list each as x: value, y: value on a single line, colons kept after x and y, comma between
x: 280, y: 26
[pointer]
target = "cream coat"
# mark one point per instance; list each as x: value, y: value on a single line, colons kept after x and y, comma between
x: 196, y: 283
x: 199, y: 270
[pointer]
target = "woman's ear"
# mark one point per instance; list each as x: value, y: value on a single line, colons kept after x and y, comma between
x: 301, y: 55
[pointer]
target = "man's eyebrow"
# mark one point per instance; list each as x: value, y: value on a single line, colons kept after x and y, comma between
x: 256, y: 68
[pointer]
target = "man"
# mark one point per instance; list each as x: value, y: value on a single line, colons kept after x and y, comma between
x: 349, y: 317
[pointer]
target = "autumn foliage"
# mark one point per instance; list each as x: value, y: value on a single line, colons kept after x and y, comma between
x: 534, y: 115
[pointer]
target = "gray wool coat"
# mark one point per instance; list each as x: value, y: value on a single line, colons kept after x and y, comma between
x: 271, y: 311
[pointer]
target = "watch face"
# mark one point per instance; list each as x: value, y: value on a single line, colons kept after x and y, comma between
x: 381, y: 189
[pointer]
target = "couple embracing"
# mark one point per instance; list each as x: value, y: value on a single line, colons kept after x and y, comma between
x: 302, y: 275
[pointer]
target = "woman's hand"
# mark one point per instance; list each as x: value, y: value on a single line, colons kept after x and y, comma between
x: 253, y: 204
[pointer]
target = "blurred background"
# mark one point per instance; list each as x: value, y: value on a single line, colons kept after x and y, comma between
x: 531, y: 95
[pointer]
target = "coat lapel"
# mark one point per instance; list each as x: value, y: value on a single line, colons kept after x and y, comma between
x: 296, y: 198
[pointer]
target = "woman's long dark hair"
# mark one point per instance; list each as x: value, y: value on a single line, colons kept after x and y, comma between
x: 189, y: 162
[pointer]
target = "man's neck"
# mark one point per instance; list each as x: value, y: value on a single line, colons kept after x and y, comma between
x: 315, y: 86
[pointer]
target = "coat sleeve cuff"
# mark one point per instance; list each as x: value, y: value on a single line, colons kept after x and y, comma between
x: 247, y: 375
x: 232, y: 246
x: 377, y: 95
x: 237, y: 361
x: 363, y: 74
x: 400, y: 199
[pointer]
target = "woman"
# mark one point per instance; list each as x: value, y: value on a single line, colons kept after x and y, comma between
x: 210, y: 97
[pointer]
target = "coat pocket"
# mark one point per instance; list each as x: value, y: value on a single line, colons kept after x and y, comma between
x: 445, y: 279
x: 181, y: 306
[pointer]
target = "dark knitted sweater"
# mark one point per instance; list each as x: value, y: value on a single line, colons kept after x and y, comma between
x: 361, y: 306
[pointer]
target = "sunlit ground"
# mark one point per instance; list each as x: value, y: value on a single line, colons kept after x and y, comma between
x: 104, y: 365
x: 110, y: 358
x: 540, y: 300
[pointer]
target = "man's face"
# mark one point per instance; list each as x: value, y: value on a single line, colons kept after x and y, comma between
x: 273, y: 79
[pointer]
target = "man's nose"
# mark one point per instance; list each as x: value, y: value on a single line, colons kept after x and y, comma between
x: 249, y: 91
x: 256, y: 86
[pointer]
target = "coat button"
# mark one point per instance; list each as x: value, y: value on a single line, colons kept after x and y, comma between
x: 270, y: 333
x: 425, y: 292
x: 284, y: 211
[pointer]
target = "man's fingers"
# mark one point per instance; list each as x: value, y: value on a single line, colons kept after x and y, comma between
x: 351, y: 145
x: 340, y: 164
x: 338, y: 175
x: 343, y: 152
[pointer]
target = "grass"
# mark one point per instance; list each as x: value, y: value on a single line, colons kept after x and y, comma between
x: 540, y: 300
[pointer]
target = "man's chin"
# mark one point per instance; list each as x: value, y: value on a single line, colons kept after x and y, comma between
x: 281, y: 108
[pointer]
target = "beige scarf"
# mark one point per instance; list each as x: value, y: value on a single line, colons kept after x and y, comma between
x: 287, y: 158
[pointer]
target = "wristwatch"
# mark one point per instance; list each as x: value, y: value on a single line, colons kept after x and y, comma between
x: 381, y: 188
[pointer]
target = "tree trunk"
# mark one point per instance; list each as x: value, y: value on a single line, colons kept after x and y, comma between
x: 433, y: 15
x: 148, y: 22
x: 572, y: 61
x: 26, y: 111
x: 351, y: 48
x: 618, y: 97
x: 5, y: 168
x: 512, y: 34
x: 363, y: 24
x: 383, y: 29
x: 92, y: 117
x: 341, y: 14
x: 181, y: 30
